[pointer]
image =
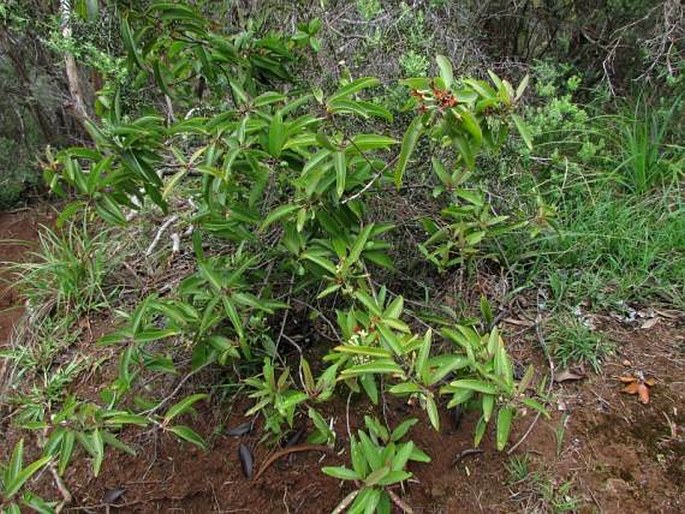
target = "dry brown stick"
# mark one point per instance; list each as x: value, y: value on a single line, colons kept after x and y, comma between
x: 398, y: 501
x: 287, y: 451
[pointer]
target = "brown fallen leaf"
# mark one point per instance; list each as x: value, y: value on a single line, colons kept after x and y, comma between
x: 649, y: 323
x: 566, y: 375
x: 638, y: 386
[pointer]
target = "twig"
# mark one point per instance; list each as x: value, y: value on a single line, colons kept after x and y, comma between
x: 466, y: 453
x: 287, y: 451
x: 346, y: 502
x: 161, y: 230
x: 398, y: 501
x: 176, y: 389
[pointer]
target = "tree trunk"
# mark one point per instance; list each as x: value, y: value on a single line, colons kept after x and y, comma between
x: 78, y: 106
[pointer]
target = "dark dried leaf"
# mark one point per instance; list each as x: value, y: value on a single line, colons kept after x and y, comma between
x: 566, y: 375
x: 457, y: 414
x: 112, y: 496
x: 242, y: 429
x: 246, y: 460
x: 295, y: 438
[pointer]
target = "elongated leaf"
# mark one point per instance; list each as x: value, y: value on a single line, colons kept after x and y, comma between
x: 20, y: 479
x: 523, y: 131
x: 504, y: 418
x: 353, y: 87
x: 364, y: 142
x: 98, y: 450
x: 367, y: 351
x: 321, y: 261
x: 276, y: 135
x: 16, y: 462
x: 188, y: 434
x: 183, y: 406
x: 433, y: 414
x: 378, y: 366
x: 129, y: 43
x: 340, y: 472
x: 409, y: 141
x: 474, y: 385
x: 278, y: 214
x: 65, y: 452
x: 340, y: 172
x: 446, y: 72
x: 359, y: 244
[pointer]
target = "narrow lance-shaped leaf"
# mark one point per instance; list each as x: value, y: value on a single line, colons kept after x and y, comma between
x: 523, y: 131
x: 353, y: 87
x: 446, y: 72
x: 183, y: 406
x: 504, y: 418
x: 409, y: 141
x: 340, y: 172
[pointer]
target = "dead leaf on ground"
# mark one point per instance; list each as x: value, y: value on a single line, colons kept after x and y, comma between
x: 637, y: 385
x: 649, y: 323
x: 566, y: 375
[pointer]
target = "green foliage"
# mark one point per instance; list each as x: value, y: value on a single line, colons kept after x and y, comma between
x: 642, y: 134
x: 13, y: 477
x: 278, y: 177
x: 369, y: 9
x: 70, y: 270
x: 414, y: 64
x: 574, y: 343
x: 379, y: 460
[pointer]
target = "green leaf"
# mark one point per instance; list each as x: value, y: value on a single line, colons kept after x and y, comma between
x: 188, y: 434
x: 98, y: 450
x: 377, y: 476
x: 433, y: 414
x: 446, y: 72
x: 341, y: 473
x: 405, y: 388
x: 66, y: 450
x: 479, y: 432
x: 368, y: 302
x: 474, y: 385
x: 364, y: 142
x: 16, y: 462
x: 340, y: 172
x: 359, y: 245
x: 183, y: 406
x: 402, y: 429
x: 353, y: 87
x: 465, y: 151
x: 471, y: 125
x: 321, y: 261
x: 522, y: 87
x: 409, y: 141
x: 276, y: 135
x: 401, y: 458
x: 126, y: 418
x: 488, y: 406
x: 523, y: 131
x: 368, y: 351
x: 279, y: 213
x: 17, y: 482
x: 129, y: 43
x: 504, y: 418
x: 380, y: 366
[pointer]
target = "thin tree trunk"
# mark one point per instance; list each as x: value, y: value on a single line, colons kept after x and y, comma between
x: 78, y: 105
